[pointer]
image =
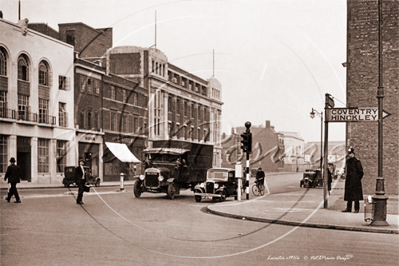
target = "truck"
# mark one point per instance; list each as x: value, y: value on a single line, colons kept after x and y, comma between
x: 171, y: 165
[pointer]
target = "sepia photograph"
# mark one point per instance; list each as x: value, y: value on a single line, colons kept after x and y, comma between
x: 199, y: 132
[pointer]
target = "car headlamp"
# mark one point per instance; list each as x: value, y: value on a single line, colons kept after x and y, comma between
x: 160, y: 178
x: 202, y: 185
x: 141, y: 177
x: 216, y: 186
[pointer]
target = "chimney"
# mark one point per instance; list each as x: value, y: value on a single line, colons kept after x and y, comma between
x: 267, y: 123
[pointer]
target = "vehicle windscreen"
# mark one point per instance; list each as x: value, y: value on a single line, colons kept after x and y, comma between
x: 167, y: 158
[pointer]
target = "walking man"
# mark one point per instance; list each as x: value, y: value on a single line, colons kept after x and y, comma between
x: 13, y: 175
x: 80, y: 180
x: 353, y: 183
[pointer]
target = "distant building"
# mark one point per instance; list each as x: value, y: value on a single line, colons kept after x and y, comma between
x: 36, y: 103
x: 267, y: 148
x: 336, y: 154
x: 294, y: 148
x: 362, y: 67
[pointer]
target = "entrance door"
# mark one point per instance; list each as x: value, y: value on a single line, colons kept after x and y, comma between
x: 24, y: 157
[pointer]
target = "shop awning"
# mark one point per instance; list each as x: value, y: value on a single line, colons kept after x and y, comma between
x: 122, y: 152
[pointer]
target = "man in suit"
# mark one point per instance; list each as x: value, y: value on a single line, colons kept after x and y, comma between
x: 13, y: 175
x: 80, y: 180
x: 353, y: 181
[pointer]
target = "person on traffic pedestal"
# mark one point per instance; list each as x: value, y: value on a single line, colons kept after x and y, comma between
x: 260, y: 177
x: 353, y: 183
x: 13, y: 175
x: 80, y: 180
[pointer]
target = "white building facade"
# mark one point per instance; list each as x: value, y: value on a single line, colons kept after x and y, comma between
x: 36, y: 103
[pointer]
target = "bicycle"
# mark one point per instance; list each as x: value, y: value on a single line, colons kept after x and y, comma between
x: 258, y: 189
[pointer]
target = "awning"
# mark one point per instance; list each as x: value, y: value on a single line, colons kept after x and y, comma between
x: 173, y: 151
x: 122, y: 152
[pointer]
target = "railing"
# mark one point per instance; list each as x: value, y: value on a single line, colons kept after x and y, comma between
x: 47, y: 119
x: 7, y: 113
x: 26, y: 116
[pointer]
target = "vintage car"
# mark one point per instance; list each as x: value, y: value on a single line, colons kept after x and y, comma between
x: 69, y: 178
x: 173, y: 165
x: 220, y: 184
x: 311, y: 178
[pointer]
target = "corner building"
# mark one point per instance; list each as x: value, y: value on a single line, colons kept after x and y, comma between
x: 36, y: 103
x: 362, y: 84
x: 181, y: 106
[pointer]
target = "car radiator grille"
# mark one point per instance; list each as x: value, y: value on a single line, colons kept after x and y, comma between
x: 151, y: 180
x: 209, y: 187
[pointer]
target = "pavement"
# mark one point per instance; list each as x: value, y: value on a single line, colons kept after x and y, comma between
x: 304, y: 207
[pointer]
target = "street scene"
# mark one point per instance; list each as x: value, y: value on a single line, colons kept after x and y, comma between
x: 199, y: 132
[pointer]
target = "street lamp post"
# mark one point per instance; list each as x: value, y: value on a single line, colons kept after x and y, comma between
x: 312, y: 115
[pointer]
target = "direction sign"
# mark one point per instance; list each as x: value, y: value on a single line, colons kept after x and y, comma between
x: 361, y: 114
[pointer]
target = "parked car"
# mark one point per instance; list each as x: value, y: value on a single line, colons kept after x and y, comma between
x: 220, y: 184
x: 311, y: 178
x: 69, y: 177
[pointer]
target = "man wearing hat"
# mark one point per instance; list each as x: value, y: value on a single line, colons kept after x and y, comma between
x: 13, y: 175
x: 353, y: 183
x: 80, y: 180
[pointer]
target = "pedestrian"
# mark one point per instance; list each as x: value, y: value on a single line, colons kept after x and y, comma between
x: 13, y: 175
x: 353, y: 184
x: 260, y: 177
x: 80, y: 180
x: 330, y: 173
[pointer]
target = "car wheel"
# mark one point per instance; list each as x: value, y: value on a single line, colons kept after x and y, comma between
x: 137, y: 189
x: 171, y: 191
x: 197, y: 198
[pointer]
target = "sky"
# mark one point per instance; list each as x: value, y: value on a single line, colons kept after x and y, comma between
x: 275, y: 59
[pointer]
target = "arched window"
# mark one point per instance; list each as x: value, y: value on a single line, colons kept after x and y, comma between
x: 23, y: 68
x: 43, y: 73
x: 3, y: 62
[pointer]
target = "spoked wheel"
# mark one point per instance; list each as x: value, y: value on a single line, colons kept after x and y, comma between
x: 171, y: 191
x: 137, y: 189
x: 197, y: 198
x: 255, y: 190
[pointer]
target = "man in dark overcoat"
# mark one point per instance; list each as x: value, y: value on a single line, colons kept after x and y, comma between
x: 353, y: 183
x: 13, y: 175
x: 80, y: 180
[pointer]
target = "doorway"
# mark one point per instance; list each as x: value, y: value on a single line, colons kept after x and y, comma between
x: 24, y: 157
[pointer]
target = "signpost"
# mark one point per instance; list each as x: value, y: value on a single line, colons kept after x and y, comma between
x: 361, y: 114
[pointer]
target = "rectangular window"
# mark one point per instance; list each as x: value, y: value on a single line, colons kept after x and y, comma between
x: 82, y: 83
x: 62, y: 82
x: 3, y: 104
x: 135, y: 100
x: 89, y: 86
x: 3, y: 153
x: 43, y: 111
x: 96, y: 87
x: 89, y: 120
x: 112, y: 93
x: 61, y: 155
x: 70, y: 37
x: 43, y: 155
x: 113, y: 121
x: 62, y: 115
x: 23, y: 107
x: 123, y: 96
x: 136, y: 125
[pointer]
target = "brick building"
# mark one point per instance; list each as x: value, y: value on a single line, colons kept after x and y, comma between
x: 267, y: 148
x: 181, y: 106
x: 362, y: 82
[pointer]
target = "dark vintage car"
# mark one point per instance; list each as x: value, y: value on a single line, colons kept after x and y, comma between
x: 220, y: 184
x: 311, y: 178
x: 69, y: 178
